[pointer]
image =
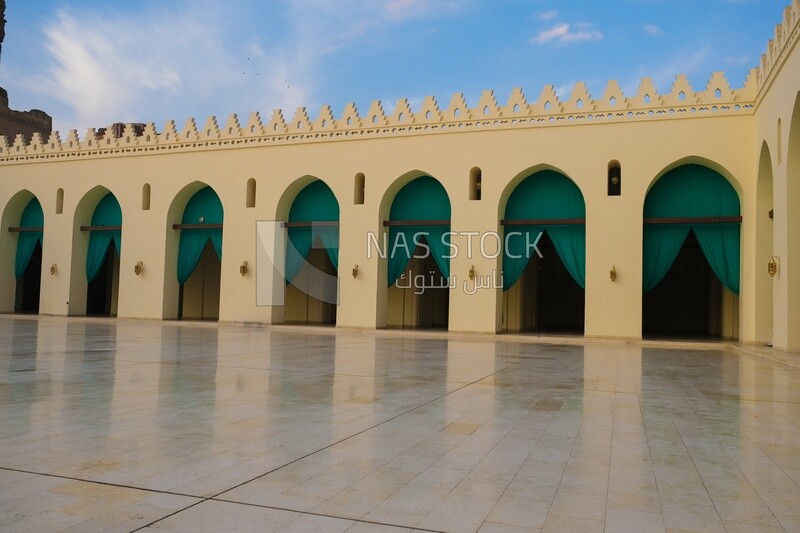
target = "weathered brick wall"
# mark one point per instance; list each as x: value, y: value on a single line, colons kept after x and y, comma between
x: 25, y: 122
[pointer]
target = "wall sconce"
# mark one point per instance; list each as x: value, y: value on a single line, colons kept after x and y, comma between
x: 772, y: 267
x: 53, y: 269
x: 355, y: 271
x: 201, y: 219
x: 471, y: 272
x: 138, y: 268
x: 613, y: 273
x: 243, y: 269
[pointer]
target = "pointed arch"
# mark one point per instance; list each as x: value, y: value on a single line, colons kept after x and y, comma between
x: 685, y: 193
x: 315, y: 203
x: 107, y: 213
x: 415, y: 214
x: 312, y: 254
x: 789, y: 271
x: 764, y: 245
x: 204, y: 208
x: 82, y: 241
x: 423, y: 199
x: 177, y: 215
x: 10, y: 255
x: 557, y: 203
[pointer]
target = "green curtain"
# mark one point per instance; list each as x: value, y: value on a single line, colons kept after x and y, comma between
x: 516, y: 253
x: 720, y: 245
x: 545, y: 195
x: 107, y: 213
x: 570, y: 244
x: 662, y: 242
x: 296, y: 254
x: 421, y: 199
x: 315, y: 203
x: 691, y: 191
x: 205, y: 205
x: 32, y: 217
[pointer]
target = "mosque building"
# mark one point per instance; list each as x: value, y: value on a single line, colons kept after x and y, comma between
x: 614, y: 215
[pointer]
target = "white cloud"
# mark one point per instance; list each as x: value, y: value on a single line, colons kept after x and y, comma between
x: 138, y: 68
x: 565, y: 91
x: 185, y: 57
x: 652, y: 29
x: 402, y: 10
x: 738, y: 61
x: 550, y: 14
x: 567, y: 33
x: 663, y: 77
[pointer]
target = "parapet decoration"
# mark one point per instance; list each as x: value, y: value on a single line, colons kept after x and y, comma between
x: 779, y: 48
x: 548, y: 110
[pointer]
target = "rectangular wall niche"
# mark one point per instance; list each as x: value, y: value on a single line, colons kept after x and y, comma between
x: 614, y: 179
x: 358, y: 193
x: 475, y: 184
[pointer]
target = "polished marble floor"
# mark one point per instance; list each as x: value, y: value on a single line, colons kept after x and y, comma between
x: 129, y: 425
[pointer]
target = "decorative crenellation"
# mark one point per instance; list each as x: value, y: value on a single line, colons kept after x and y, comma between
x: 547, y: 110
x: 779, y: 47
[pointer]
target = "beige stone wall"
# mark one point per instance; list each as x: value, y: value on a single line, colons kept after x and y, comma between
x: 774, y: 307
x: 648, y: 134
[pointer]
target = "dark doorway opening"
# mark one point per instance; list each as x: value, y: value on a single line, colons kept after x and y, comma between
x: 688, y: 301
x: 420, y: 298
x: 301, y: 308
x: 552, y: 301
x: 29, y: 285
x: 433, y: 305
x: 100, y: 293
x: 198, y: 297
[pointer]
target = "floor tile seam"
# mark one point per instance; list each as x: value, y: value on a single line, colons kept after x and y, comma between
x: 564, y: 470
x: 608, y: 475
x: 768, y: 355
x: 733, y: 460
x: 522, y: 463
x: 655, y: 477
x: 702, y: 481
x: 98, y: 482
x: 333, y: 331
x: 322, y: 515
x: 736, y: 463
x: 649, y: 456
x: 365, y: 430
x: 472, y: 469
x: 170, y: 515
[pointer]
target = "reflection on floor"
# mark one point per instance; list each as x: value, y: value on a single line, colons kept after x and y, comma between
x: 213, y: 427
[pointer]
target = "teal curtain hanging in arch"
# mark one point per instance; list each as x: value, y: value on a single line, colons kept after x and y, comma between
x: 662, y: 243
x: 691, y: 191
x: 107, y: 213
x: 32, y: 217
x: 545, y: 195
x: 421, y: 199
x: 205, y: 205
x: 315, y: 203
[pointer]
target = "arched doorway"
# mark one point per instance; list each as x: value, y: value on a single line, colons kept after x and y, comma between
x: 764, y: 248
x: 691, y: 255
x: 544, y: 293
x: 102, y: 257
x: 200, y: 256
x: 787, y: 282
x: 28, y: 262
x: 312, y: 256
x: 418, y: 256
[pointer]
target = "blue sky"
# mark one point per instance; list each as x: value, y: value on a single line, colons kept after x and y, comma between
x: 92, y: 63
